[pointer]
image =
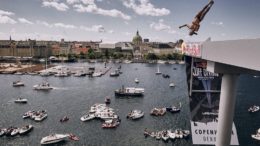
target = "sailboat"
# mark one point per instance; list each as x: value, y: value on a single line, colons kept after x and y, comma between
x: 158, y: 71
x: 45, y: 72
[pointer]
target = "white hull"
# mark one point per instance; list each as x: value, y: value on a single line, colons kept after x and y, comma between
x: 40, y: 118
x: 87, y: 117
x: 53, y: 139
x: 24, y: 130
x: 257, y: 137
x: 20, y: 101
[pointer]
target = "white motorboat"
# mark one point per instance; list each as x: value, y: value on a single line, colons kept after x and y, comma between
x: 171, y: 134
x: 129, y: 91
x: 2, y: 131
x: 97, y: 74
x: 136, y: 80
x: 186, y: 133
x: 106, y: 115
x: 25, y: 129
x: 254, y: 109
x: 173, y: 109
x: 87, y: 117
x: 20, y: 100
x: 115, y: 73
x: 40, y: 117
x: 61, y: 74
x: 158, y: 111
x: 18, y: 84
x: 135, y: 114
x: 257, y: 135
x: 43, y: 86
x: 111, y: 123
x: 178, y: 133
x: 53, y: 138
x: 45, y: 73
x: 165, y: 135
x: 28, y: 114
x: 158, y: 71
x: 172, y: 84
x: 15, y: 131
x: 80, y: 74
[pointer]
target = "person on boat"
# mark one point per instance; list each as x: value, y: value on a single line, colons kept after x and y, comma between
x: 195, y: 25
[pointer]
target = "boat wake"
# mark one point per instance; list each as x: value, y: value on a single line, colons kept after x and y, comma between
x: 60, y: 88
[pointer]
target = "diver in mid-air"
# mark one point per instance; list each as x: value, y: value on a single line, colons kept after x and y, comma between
x: 195, y: 25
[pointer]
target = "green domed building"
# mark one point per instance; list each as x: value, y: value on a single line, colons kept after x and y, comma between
x: 137, y: 40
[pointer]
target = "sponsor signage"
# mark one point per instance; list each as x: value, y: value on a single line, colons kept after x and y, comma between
x: 204, y: 94
x: 192, y: 49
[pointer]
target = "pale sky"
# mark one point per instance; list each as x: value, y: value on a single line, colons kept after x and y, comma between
x: 118, y: 20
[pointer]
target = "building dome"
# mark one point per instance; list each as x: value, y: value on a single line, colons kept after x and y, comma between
x: 137, y: 39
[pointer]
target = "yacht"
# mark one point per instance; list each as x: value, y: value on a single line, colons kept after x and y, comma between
x: 53, y: 138
x: 18, y: 83
x: 25, y: 129
x: 129, y: 91
x: 20, y: 100
x: 257, y: 135
x: 158, y: 71
x: 43, y: 86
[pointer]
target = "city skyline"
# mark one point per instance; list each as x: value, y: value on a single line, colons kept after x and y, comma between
x: 118, y: 20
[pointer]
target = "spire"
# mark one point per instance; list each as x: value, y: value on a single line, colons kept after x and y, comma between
x: 137, y: 32
x: 10, y: 38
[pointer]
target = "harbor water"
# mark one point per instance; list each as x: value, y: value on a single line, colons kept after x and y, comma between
x: 73, y: 96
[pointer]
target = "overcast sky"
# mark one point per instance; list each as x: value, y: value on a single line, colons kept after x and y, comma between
x: 118, y: 20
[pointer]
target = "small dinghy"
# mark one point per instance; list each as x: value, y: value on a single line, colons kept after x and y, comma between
x: 87, y: 117
x: 172, y: 84
x: 136, y: 80
x: 64, y: 119
x: 73, y: 137
x: 26, y: 129
x: 107, y: 100
x: 18, y: 83
x: 20, y: 100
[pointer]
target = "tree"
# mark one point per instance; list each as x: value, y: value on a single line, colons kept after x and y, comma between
x: 151, y: 56
x: 106, y: 54
x: 169, y: 56
x: 82, y: 55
